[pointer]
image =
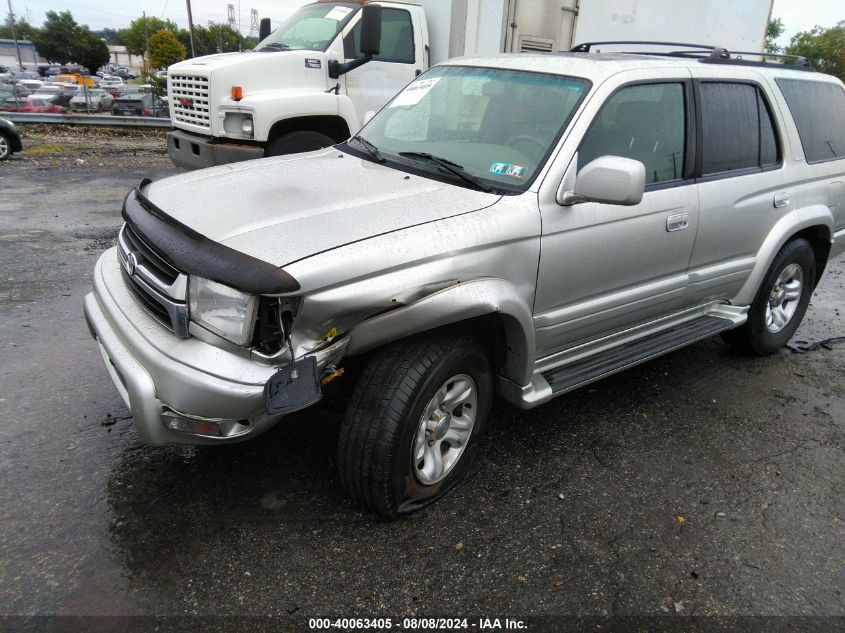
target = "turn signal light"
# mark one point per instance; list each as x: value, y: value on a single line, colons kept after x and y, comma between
x: 237, y: 93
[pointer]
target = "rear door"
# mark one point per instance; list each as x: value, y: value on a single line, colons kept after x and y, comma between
x: 742, y: 182
x: 399, y: 61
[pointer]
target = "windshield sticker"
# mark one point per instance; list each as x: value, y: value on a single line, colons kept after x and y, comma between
x: 338, y: 13
x: 414, y: 93
x: 506, y: 169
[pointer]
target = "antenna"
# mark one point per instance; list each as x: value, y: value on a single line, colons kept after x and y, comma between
x: 233, y: 23
x: 253, y: 23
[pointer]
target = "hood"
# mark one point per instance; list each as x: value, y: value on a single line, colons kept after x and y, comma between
x: 284, y: 209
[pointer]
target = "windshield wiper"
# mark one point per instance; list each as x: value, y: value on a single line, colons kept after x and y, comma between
x: 448, y: 165
x: 275, y: 46
x: 372, y: 149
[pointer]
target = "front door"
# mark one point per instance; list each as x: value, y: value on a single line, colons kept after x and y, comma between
x: 604, y: 268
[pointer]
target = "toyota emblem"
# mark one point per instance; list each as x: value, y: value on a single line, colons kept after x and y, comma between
x: 131, y: 263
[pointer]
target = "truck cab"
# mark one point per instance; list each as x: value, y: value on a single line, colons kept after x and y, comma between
x: 307, y: 85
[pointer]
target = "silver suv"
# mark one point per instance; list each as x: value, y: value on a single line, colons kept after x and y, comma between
x: 515, y: 226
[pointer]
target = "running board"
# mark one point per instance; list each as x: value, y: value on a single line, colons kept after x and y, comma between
x: 570, y: 376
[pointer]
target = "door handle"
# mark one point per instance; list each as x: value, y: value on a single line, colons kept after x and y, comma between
x: 677, y: 222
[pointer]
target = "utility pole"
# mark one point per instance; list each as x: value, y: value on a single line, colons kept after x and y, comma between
x: 191, y: 29
x: 146, y: 44
x: 15, y: 35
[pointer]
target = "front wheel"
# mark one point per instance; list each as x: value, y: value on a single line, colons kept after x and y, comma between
x: 411, y: 429
x: 5, y: 146
x: 296, y: 142
x: 781, y: 301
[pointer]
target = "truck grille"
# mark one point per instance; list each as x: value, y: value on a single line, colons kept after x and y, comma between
x: 189, y: 100
x: 159, y: 287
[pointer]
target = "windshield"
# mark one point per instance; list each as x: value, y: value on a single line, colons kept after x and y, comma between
x: 313, y: 28
x: 497, y: 125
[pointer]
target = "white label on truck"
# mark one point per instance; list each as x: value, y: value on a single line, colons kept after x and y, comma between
x: 338, y: 13
x: 414, y: 93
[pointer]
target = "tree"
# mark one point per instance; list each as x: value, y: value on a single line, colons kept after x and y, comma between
x: 23, y: 29
x: 773, y: 32
x: 134, y: 38
x: 825, y: 48
x: 165, y: 49
x: 57, y: 36
x: 111, y: 36
x: 90, y: 51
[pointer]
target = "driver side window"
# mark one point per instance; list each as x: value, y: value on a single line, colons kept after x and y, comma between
x: 397, y: 38
x: 643, y: 122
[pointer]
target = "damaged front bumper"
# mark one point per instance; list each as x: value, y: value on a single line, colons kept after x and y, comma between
x: 180, y: 391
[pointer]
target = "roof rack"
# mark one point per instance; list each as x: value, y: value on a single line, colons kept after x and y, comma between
x: 706, y: 53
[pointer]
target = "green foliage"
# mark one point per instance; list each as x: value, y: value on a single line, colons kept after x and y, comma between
x: 217, y: 38
x: 825, y: 48
x: 57, y: 36
x: 90, y: 51
x: 134, y: 38
x: 773, y: 32
x: 23, y: 28
x: 165, y: 49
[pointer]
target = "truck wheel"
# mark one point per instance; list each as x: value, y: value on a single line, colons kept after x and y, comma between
x: 781, y: 301
x: 5, y: 146
x: 411, y: 428
x: 295, y: 142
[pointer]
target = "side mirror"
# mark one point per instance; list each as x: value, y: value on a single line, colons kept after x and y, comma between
x: 263, y: 29
x: 608, y: 180
x: 371, y: 29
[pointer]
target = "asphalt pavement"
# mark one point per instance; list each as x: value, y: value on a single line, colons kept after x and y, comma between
x: 703, y: 484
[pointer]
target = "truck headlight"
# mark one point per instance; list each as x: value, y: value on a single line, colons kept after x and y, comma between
x: 246, y: 126
x: 221, y: 309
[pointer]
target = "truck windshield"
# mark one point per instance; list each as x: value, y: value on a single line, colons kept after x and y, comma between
x: 497, y: 126
x: 313, y: 27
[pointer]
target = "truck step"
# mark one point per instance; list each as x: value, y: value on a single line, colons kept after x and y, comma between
x: 610, y: 361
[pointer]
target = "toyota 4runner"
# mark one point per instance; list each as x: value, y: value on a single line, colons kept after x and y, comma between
x: 515, y: 226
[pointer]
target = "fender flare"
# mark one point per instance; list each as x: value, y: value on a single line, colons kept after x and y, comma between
x: 793, y: 222
x: 299, y: 105
x: 461, y: 302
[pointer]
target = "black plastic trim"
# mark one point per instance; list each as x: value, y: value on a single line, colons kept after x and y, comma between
x: 193, y: 253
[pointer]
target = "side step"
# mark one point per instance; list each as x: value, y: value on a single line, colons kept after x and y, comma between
x: 615, y: 359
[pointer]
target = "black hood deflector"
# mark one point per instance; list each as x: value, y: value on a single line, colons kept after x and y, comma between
x: 193, y: 253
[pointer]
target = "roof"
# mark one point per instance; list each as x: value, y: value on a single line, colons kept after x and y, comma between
x: 600, y: 66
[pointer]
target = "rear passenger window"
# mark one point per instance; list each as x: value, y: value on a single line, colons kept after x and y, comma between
x: 644, y: 122
x: 818, y: 109
x: 737, y: 128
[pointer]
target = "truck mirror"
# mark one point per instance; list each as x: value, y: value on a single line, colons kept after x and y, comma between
x: 371, y: 29
x: 263, y: 29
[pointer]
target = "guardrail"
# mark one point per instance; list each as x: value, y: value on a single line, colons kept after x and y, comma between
x: 87, y: 119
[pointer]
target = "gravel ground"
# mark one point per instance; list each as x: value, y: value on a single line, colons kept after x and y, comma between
x: 700, y: 485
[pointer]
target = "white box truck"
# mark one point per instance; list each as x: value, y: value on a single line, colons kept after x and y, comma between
x: 315, y: 79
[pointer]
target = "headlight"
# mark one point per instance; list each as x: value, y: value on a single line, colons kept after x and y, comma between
x: 246, y: 126
x: 221, y: 309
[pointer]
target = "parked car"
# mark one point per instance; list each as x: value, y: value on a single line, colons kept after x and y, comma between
x: 60, y: 95
x: 514, y: 226
x: 43, y: 105
x: 10, y: 140
x: 139, y: 104
x: 13, y: 104
x: 29, y: 86
x: 94, y: 100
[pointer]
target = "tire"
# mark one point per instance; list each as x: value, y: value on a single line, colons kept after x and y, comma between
x: 5, y: 146
x: 296, y: 142
x: 382, y: 428
x: 762, y: 334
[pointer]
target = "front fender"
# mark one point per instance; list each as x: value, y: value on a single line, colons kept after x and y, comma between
x: 270, y: 107
x: 790, y: 224
x: 463, y: 301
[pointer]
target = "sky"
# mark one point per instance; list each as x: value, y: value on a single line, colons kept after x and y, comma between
x: 797, y: 15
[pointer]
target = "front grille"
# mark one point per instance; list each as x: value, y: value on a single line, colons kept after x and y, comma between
x: 189, y: 100
x: 159, y: 287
